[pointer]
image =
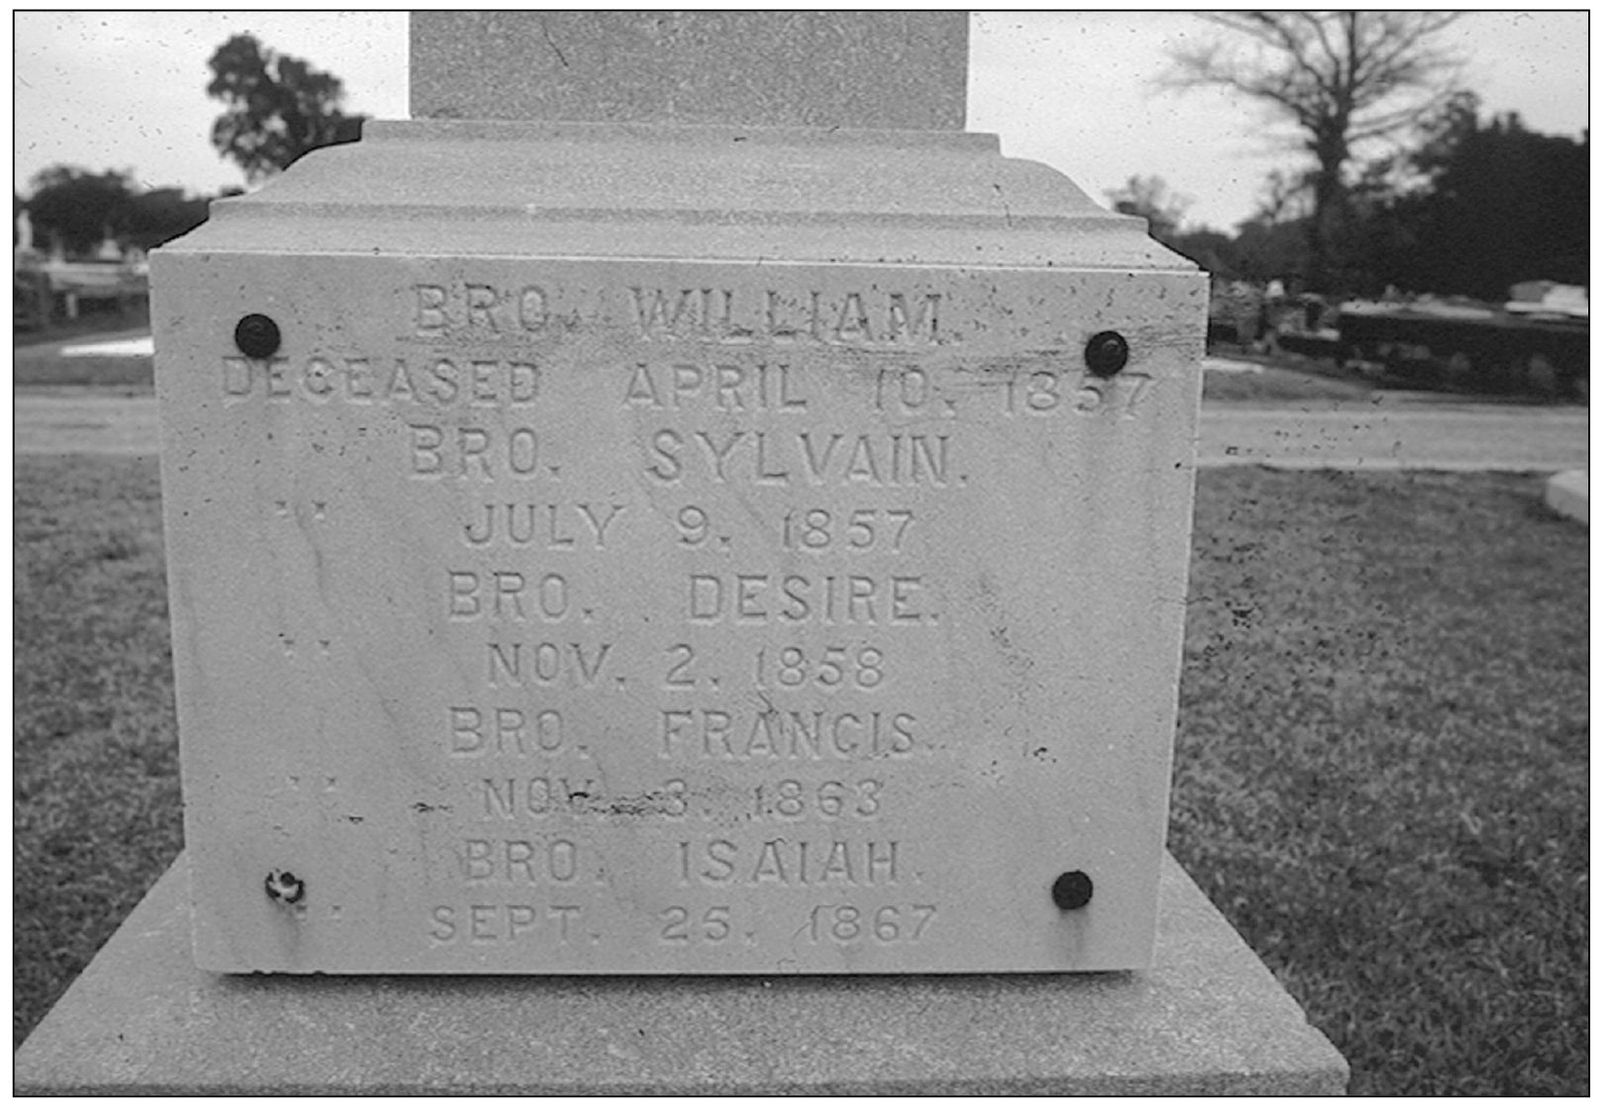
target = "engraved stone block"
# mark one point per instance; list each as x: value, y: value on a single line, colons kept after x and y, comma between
x: 608, y: 549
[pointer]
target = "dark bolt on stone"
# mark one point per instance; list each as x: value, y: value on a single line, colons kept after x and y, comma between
x: 1107, y: 354
x: 283, y: 886
x: 257, y: 336
x: 1072, y: 890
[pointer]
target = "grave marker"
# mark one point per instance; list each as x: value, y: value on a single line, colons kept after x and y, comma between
x: 1050, y: 580
x: 603, y: 548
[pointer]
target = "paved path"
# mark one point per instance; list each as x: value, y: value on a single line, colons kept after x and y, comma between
x: 1432, y: 436
x: 55, y: 346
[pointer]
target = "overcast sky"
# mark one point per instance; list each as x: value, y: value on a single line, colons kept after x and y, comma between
x: 125, y: 90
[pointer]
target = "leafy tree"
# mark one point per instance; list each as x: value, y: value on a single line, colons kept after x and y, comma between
x: 1211, y: 249
x: 1269, y: 250
x: 1343, y: 80
x: 1269, y: 246
x: 278, y: 108
x: 1498, y: 204
x: 1283, y: 198
x: 1165, y: 210
x: 159, y: 215
x: 78, y: 207
x: 81, y: 209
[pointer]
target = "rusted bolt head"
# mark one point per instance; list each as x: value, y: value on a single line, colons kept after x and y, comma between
x: 1072, y: 890
x: 1106, y: 354
x: 284, y: 886
x: 257, y: 336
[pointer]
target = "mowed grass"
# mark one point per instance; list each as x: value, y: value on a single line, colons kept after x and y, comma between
x: 1382, y: 771
x: 95, y: 764
x: 1278, y: 383
x: 35, y: 369
x: 1381, y: 775
x: 96, y: 319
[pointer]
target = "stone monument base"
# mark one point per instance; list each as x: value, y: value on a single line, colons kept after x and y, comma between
x: 1207, y: 1019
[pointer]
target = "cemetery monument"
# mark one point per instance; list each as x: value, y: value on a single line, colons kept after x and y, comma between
x: 682, y: 506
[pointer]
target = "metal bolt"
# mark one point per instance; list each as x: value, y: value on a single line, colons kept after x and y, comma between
x: 284, y: 886
x: 1107, y: 354
x: 257, y: 336
x: 1072, y: 890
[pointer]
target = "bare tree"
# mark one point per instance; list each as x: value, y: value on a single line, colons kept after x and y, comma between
x: 1344, y: 79
x: 1282, y: 198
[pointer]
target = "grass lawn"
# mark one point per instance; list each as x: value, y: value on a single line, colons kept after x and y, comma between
x: 1382, y: 766
x: 33, y: 367
x: 1382, y: 773
x: 95, y: 765
x: 127, y: 373
x: 94, y: 320
x: 35, y: 362
x: 1284, y: 378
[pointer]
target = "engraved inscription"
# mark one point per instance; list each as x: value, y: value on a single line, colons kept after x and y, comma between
x: 853, y: 317
x: 548, y: 795
x: 848, y: 923
x: 505, y: 732
x: 710, y: 925
x: 722, y: 315
x: 1044, y: 388
x: 786, y: 862
x: 730, y: 387
x: 835, y: 668
x: 441, y: 309
x: 553, y: 860
x: 798, y: 734
x: 364, y: 380
x: 816, y: 459
x: 454, y: 451
x: 552, y: 925
x: 793, y: 799
x: 508, y: 596
x: 543, y: 525
x: 546, y: 664
x: 756, y: 598
x: 817, y: 530
x: 665, y: 615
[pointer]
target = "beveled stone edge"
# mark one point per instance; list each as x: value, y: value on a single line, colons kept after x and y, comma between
x: 1315, y: 1066
x: 438, y: 130
x: 948, y: 199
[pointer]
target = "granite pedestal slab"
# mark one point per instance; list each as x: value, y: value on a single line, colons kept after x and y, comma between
x: 627, y: 549
x: 1208, y: 1018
